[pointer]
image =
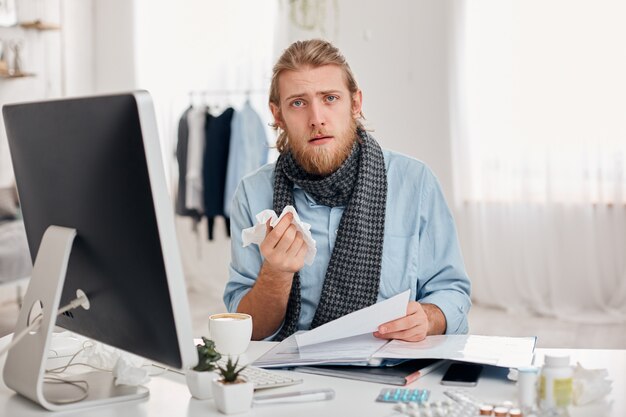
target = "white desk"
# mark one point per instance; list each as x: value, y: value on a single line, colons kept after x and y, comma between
x: 169, y: 395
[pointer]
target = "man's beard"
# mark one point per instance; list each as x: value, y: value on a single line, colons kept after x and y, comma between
x: 319, y: 160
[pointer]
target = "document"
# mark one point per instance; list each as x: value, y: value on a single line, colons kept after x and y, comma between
x: 355, y: 350
x: 366, y: 350
x: 510, y: 352
x: 359, y: 322
x: 349, y: 340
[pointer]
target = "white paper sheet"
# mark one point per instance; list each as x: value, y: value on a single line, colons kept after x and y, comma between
x: 355, y: 350
x: 511, y: 352
x: 359, y: 322
x: 361, y: 346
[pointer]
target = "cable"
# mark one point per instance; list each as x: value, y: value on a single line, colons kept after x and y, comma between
x: 49, y: 377
x: 77, y: 302
x: 76, y: 383
x: 163, y: 370
x: 61, y: 369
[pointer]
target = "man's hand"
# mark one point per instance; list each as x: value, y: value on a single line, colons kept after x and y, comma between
x: 284, y: 251
x: 420, y: 321
x: 283, y: 248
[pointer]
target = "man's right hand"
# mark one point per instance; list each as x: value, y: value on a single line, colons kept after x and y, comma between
x: 284, y: 251
x: 283, y: 248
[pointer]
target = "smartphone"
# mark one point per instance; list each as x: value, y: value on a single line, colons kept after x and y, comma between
x: 462, y: 374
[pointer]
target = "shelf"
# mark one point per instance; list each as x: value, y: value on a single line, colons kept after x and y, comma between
x: 9, y: 75
x: 39, y: 25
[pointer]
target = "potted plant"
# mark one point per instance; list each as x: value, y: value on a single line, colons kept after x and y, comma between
x: 199, y: 378
x: 232, y: 392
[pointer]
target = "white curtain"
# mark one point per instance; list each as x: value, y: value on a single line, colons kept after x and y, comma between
x: 539, y: 139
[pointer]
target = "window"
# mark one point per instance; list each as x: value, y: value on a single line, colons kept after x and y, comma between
x: 541, y: 95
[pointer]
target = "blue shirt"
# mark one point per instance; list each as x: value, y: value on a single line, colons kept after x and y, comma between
x: 248, y: 150
x: 420, y: 249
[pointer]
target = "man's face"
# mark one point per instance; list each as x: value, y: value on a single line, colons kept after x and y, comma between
x: 319, y: 115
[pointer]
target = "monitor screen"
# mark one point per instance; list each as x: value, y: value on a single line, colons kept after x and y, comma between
x: 94, y: 164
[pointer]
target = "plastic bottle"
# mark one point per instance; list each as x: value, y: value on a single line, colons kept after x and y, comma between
x: 555, y: 383
x: 527, y: 388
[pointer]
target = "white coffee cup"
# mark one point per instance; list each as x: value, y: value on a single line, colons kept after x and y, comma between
x: 231, y: 332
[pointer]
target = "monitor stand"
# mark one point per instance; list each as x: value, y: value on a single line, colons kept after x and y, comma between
x: 25, y: 366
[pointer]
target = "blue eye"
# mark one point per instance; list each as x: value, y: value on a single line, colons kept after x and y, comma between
x: 297, y: 103
x: 332, y: 98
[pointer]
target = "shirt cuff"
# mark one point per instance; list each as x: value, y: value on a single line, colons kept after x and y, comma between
x: 271, y: 338
x: 454, y: 307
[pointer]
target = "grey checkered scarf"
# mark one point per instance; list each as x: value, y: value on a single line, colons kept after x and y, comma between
x: 353, y: 273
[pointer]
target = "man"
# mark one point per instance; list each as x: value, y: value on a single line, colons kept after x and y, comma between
x: 379, y: 218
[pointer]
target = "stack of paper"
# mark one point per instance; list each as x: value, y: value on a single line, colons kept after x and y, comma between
x: 349, y: 340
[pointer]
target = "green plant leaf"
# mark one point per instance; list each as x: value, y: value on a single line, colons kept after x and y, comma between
x: 207, y: 356
x: 231, y: 372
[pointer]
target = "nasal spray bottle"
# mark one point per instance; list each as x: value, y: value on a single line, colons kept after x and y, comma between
x: 527, y: 389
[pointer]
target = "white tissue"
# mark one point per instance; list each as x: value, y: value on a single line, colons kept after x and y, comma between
x: 256, y: 234
x: 127, y: 368
x: 127, y: 374
x: 100, y: 355
x: 590, y: 385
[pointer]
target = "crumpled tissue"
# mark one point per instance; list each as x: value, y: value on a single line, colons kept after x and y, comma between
x: 127, y: 368
x: 590, y: 385
x: 256, y: 234
x: 126, y: 373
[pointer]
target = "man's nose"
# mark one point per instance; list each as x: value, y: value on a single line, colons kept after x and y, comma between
x: 317, y: 118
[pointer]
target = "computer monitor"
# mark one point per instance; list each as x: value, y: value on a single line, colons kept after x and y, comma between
x: 94, y: 165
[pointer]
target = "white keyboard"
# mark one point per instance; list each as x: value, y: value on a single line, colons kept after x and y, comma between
x: 262, y: 378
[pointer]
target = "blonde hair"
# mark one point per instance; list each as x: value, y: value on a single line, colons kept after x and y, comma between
x: 310, y: 53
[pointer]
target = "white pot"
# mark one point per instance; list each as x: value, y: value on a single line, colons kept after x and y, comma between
x: 233, y: 398
x: 200, y: 383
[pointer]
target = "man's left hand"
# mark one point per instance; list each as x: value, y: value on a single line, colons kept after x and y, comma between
x: 420, y: 321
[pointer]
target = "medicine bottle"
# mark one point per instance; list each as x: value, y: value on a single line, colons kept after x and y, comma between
x: 527, y: 388
x: 555, y: 383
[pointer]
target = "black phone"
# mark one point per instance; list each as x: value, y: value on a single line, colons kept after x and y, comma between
x: 462, y: 374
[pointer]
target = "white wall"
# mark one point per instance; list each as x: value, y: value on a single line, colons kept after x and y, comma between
x: 114, y: 45
x: 78, y: 52
x: 99, y: 46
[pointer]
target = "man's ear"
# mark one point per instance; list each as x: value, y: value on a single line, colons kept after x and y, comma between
x: 278, y: 121
x: 357, y: 104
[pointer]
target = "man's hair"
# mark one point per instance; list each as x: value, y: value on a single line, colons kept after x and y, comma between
x: 310, y: 53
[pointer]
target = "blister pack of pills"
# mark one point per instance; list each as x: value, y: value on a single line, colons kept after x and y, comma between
x: 427, y: 409
x: 403, y: 395
x: 466, y: 404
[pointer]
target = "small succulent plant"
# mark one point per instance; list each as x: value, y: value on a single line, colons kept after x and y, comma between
x: 207, y: 356
x: 230, y: 373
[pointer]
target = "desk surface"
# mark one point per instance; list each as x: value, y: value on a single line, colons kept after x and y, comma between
x: 169, y: 395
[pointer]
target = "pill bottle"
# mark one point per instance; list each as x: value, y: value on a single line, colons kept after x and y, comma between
x: 555, y: 383
x: 527, y: 387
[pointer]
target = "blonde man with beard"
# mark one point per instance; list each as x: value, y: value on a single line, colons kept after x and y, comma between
x: 379, y: 218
